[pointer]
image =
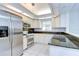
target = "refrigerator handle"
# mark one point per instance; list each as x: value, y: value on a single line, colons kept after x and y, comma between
x: 9, y: 35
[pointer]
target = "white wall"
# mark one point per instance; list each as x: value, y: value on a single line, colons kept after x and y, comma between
x: 70, y: 19
x: 64, y: 21
x: 74, y: 22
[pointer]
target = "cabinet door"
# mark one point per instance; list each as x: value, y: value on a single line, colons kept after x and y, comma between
x: 42, y: 38
x: 24, y: 42
x: 17, y: 36
x: 5, y: 42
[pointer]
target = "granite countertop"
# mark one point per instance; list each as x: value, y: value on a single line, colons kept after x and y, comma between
x: 62, y: 39
x: 65, y: 40
x: 46, y: 32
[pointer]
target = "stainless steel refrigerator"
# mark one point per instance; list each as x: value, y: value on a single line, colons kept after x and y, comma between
x: 11, y: 39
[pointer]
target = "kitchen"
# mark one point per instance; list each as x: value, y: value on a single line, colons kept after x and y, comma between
x: 39, y: 29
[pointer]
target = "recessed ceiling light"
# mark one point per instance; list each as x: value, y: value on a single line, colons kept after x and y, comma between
x: 45, y: 17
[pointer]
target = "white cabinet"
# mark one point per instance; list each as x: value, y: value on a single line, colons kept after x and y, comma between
x: 24, y: 42
x: 35, y: 24
x: 42, y: 38
x: 62, y: 51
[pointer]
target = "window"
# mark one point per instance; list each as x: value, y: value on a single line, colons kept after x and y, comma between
x: 46, y: 25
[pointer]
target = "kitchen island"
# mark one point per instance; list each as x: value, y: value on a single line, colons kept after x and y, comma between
x: 64, y: 45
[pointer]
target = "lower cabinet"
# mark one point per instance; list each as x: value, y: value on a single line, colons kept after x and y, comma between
x: 42, y: 38
x: 24, y: 42
x: 62, y: 51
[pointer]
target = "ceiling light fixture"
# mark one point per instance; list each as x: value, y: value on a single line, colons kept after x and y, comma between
x: 45, y: 17
x: 33, y: 4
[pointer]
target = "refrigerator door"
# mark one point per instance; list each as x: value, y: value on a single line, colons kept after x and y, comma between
x: 17, y: 39
x: 5, y: 42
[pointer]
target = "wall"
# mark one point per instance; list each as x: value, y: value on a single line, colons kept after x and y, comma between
x: 64, y: 21
x: 68, y: 19
x: 72, y: 19
x: 74, y: 22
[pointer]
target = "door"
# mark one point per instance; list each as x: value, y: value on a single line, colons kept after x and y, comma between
x: 17, y: 39
x: 5, y: 42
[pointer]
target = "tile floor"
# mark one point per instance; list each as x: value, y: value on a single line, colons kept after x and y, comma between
x: 37, y: 50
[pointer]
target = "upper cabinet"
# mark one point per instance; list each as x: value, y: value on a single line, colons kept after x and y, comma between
x: 35, y: 24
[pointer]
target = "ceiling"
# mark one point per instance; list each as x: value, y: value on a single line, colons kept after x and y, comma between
x: 41, y: 10
x: 38, y: 8
x: 38, y: 11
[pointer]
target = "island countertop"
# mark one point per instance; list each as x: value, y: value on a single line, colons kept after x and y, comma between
x: 65, y: 40
x: 62, y: 39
